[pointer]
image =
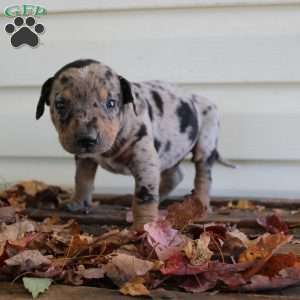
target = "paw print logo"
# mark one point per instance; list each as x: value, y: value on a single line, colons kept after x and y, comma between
x: 24, y: 32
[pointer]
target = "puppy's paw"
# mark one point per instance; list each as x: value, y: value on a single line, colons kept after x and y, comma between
x: 77, y: 206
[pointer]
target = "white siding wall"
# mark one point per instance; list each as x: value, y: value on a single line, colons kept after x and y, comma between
x: 244, y: 55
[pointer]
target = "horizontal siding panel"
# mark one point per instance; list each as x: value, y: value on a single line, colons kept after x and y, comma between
x: 205, y: 60
x: 255, y: 179
x: 81, y: 5
x: 256, y: 121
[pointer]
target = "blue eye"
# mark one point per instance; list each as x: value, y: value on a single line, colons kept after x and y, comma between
x: 111, y: 104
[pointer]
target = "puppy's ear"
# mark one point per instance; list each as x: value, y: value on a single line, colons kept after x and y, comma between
x: 126, y: 92
x: 44, y: 97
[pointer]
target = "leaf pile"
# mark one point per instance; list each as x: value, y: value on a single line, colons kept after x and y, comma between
x: 173, y: 252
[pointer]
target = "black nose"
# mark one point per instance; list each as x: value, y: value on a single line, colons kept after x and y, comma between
x: 87, y: 141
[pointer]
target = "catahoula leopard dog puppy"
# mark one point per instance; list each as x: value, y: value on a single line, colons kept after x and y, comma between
x: 143, y: 129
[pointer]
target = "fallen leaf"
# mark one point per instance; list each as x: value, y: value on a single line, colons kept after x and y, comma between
x: 135, y: 287
x: 165, y: 240
x: 123, y: 267
x: 90, y: 273
x: 7, y: 214
x: 187, y: 212
x: 242, y: 204
x: 16, y: 231
x: 28, y: 259
x: 77, y: 243
x: 32, y: 187
x: 179, y: 265
x: 197, y: 250
x: 36, y: 286
x: 262, y: 250
x: 285, y: 278
x: 197, y: 284
x: 273, y: 224
x: 264, y: 247
x: 278, y: 262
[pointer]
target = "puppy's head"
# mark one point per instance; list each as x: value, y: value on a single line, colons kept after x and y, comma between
x: 87, y: 100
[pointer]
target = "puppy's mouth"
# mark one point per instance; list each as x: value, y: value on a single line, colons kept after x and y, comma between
x: 88, y: 143
x: 89, y: 147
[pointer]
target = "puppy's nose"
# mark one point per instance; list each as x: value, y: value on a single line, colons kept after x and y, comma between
x: 87, y: 141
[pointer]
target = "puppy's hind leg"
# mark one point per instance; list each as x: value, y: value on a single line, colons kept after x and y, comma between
x: 169, y: 180
x: 204, y: 155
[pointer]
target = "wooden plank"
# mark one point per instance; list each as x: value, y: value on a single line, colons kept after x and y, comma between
x: 63, y: 292
x: 115, y: 214
x: 104, y: 214
x: 125, y: 200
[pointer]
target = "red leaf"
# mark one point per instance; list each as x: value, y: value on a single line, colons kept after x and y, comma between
x: 178, y: 265
x: 165, y: 240
x: 273, y: 224
x: 197, y: 284
x: 285, y: 278
x: 277, y: 263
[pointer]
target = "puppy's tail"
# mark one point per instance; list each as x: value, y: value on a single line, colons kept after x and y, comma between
x: 223, y: 161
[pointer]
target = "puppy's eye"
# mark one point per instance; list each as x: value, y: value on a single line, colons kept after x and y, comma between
x: 111, y: 104
x: 60, y: 105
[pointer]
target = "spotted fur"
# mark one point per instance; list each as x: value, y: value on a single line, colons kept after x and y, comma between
x: 141, y: 129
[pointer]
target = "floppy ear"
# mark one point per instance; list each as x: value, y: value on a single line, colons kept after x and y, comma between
x: 44, y: 97
x: 126, y: 92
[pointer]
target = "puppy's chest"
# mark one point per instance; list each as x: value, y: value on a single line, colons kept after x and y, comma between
x: 111, y: 164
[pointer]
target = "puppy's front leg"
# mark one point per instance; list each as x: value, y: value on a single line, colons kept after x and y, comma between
x: 84, y: 184
x: 146, y: 171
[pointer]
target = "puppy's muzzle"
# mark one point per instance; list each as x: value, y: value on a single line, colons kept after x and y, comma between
x: 87, y: 141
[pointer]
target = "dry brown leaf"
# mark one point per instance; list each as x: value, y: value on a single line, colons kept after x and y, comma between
x: 28, y: 259
x: 77, y: 243
x: 16, y: 231
x: 123, y: 267
x: 135, y: 287
x: 7, y: 214
x: 32, y: 187
x: 187, y: 212
x: 90, y: 273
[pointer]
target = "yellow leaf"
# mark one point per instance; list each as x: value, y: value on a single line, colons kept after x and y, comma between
x: 135, y: 287
x: 197, y: 251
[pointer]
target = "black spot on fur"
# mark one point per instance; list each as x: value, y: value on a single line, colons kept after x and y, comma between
x: 108, y: 74
x: 144, y: 195
x: 157, y: 145
x: 140, y: 134
x: 158, y: 101
x: 150, y: 111
x: 64, y: 80
x: 78, y: 64
x: 205, y: 111
x: 168, y: 146
x: 187, y: 119
x: 213, y: 157
x: 136, y: 94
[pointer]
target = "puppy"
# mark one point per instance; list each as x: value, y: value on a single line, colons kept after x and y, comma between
x: 141, y: 129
